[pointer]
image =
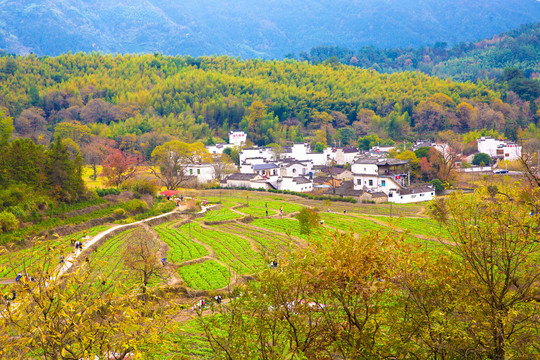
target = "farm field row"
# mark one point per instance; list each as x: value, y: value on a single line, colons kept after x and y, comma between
x: 264, y: 239
x: 181, y: 247
x: 41, y: 252
x: 230, y: 249
x: 207, y: 275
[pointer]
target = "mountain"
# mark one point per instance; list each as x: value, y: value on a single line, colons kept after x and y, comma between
x: 482, y: 59
x: 266, y: 28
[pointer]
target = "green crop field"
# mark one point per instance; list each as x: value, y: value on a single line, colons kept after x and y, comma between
x: 222, y: 214
x: 46, y: 251
x: 208, y: 275
x: 349, y: 223
x: 181, y: 247
x: 264, y: 239
x: 232, y: 250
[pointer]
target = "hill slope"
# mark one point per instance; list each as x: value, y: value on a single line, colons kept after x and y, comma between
x: 465, y: 61
x: 267, y: 28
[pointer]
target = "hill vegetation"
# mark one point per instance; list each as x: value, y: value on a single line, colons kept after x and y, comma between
x: 262, y: 29
x: 141, y: 101
x: 464, y: 61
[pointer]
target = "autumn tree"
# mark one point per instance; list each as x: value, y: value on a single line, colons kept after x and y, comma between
x: 82, y: 314
x: 173, y: 158
x: 118, y: 167
x: 142, y: 257
x: 494, y: 237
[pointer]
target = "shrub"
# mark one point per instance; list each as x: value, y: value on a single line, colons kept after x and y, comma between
x: 105, y: 192
x: 119, y: 212
x: 8, y: 221
x: 142, y: 186
x: 135, y: 206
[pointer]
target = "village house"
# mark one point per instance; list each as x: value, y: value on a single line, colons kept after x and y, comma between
x: 379, y: 174
x: 411, y: 195
x: 203, y: 173
x: 302, y: 152
x: 499, y: 149
x: 237, y: 137
x: 344, y: 155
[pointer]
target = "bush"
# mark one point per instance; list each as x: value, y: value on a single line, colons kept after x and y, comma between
x: 8, y: 221
x: 105, y: 192
x: 135, y: 206
x: 119, y: 212
x: 142, y: 186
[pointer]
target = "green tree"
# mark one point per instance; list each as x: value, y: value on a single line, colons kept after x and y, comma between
x: 482, y: 159
x: 309, y: 219
x: 174, y: 157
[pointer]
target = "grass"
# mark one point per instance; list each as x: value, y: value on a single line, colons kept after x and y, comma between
x: 208, y: 275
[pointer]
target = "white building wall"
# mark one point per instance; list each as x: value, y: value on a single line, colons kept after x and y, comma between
x: 287, y: 183
x: 262, y: 152
x: 237, y: 138
x: 205, y: 172
x: 410, y: 198
x: 218, y: 148
x: 489, y: 145
x: 371, y: 169
x: 511, y: 151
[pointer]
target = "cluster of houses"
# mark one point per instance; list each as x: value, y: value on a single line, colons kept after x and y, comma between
x: 373, y: 176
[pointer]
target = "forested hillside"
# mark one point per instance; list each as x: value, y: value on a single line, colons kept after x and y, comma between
x: 464, y: 61
x: 140, y: 101
x: 251, y: 29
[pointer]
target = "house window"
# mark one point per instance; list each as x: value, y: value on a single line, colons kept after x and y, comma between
x: 274, y: 172
x: 431, y: 193
x: 198, y: 171
x: 391, y: 195
x: 190, y: 171
x: 421, y: 194
x: 383, y: 182
x: 402, y: 197
x: 293, y: 170
x: 359, y: 181
x: 370, y: 182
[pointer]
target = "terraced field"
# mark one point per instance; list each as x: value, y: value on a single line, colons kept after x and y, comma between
x: 264, y: 239
x: 222, y: 214
x: 349, y: 223
x: 46, y: 251
x: 207, y: 275
x: 230, y: 249
x: 181, y: 247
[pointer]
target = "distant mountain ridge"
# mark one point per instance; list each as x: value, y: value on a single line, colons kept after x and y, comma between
x: 265, y: 28
x: 482, y: 59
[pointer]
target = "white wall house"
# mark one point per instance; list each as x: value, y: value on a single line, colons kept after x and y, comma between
x: 205, y: 173
x: 501, y: 149
x: 295, y: 183
x: 302, y: 152
x: 345, y: 155
x: 379, y: 174
x: 238, y: 180
x: 256, y: 152
x: 237, y: 137
x: 296, y: 168
x: 218, y: 148
x: 411, y: 195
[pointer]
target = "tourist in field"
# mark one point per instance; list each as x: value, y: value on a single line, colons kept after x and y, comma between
x: 18, y: 277
x: 218, y: 299
x: 267, y: 213
x: 164, y: 261
x: 61, y: 261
